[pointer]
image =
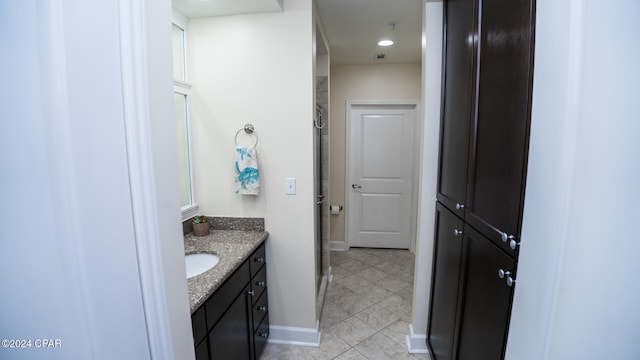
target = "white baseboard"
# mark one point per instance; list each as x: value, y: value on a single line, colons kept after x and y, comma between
x: 416, y: 343
x: 289, y: 335
x: 338, y: 246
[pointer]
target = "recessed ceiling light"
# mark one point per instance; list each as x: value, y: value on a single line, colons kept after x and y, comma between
x: 385, y: 42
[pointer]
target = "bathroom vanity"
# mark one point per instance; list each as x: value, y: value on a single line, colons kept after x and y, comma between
x: 229, y: 303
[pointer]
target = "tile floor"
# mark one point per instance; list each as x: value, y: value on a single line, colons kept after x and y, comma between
x: 367, y: 309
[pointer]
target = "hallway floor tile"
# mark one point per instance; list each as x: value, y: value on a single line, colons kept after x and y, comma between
x: 367, y: 309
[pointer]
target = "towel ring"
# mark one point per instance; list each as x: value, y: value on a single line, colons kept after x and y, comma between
x: 248, y: 129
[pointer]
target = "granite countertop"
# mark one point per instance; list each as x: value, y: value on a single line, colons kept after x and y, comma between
x: 232, y: 246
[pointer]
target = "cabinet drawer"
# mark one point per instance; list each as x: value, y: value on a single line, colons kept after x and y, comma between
x: 259, y: 283
x: 257, y: 259
x: 199, y: 325
x: 217, y: 304
x: 260, y: 309
x: 260, y: 337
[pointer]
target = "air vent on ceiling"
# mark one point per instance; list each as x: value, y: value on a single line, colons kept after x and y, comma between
x: 380, y: 58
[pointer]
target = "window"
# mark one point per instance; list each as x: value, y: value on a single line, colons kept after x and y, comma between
x: 182, y: 90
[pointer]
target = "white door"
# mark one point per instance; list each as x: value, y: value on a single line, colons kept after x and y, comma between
x: 380, y: 172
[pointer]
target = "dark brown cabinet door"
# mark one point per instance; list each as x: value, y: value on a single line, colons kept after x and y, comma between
x: 445, y: 284
x: 500, y: 143
x: 487, y: 299
x: 458, y: 102
x: 231, y: 337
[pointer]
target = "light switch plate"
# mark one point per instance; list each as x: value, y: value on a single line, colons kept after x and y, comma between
x: 291, y: 186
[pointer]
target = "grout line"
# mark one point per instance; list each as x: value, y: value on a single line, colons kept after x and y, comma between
x: 339, y: 272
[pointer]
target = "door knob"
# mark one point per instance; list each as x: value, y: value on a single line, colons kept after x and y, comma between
x: 356, y: 186
x: 457, y: 232
x: 459, y: 206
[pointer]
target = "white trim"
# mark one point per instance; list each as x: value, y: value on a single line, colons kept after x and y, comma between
x: 289, y: 335
x: 180, y: 20
x: 339, y: 245
x: 414, y: 175
x: 138, y: 130
x: 189, y: 211
x: 416, y: 343
x: 187, y: 106
x: 182, y: 87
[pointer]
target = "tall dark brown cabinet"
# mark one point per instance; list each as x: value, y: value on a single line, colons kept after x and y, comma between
x: 484, y: 140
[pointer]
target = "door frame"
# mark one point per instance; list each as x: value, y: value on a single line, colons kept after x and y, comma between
x: 415, y: 174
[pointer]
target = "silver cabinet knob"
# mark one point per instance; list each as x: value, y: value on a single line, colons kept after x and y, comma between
x: 459, y: 206
x: 356, y: 186
x: 260, y: 283
x: 513, y: 244
x: 510, y: 281
x: 503, y: 273
x: 263, y: 308
x: 260, y: 260
x: 457, y: 232
x: 264, y: 335
x: 251, y: 293
x: 506, y: 237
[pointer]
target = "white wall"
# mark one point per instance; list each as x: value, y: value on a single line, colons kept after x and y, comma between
x: 360, y: 82
x: 576, y: 295
x: 69, y: 262
x: 432, y: 77
x: 258, y: 69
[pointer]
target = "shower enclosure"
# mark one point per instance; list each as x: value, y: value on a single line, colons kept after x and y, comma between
x: 321, y: 178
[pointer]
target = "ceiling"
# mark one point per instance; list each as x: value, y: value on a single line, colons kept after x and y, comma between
x: 353, y: 27
x: 207, y: 8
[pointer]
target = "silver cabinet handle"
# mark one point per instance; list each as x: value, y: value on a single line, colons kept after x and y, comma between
x: 263, y: 308
x: 260, y: 283
x: 513, y: 244
x: 506, y: 237
x: 264, y: 335
x: 260, y: 260
x: 459, y: 206
x: 251, y: 293
x: 356, y: 186
x: 509, y: 280
x: 457, y: 232
x: 503, y: 273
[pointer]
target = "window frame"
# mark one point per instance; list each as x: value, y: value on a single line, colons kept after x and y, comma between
x: 183, y: 87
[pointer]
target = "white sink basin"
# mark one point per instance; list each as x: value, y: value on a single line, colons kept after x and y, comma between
x: 199, y: 263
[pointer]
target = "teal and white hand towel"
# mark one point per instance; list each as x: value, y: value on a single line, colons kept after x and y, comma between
x: 247, y: 173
